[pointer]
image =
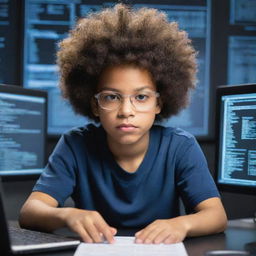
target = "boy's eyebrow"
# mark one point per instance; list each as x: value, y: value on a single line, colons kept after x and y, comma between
x: 116, y: 90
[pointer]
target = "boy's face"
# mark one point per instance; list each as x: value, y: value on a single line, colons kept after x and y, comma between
x: 130, y: 118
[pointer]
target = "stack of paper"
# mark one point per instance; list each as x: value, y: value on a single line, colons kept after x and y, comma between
x: 125, y: 246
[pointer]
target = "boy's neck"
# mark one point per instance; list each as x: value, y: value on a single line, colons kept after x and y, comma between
x: 129, y: 153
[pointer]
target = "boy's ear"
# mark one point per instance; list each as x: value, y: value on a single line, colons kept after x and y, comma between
x: 95, y: 107
x: 159, y: 106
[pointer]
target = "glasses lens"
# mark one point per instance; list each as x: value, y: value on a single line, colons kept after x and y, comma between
x: 109, y: 101
x: 144, y: 101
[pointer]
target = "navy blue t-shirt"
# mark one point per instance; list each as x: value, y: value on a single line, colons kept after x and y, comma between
x: 83, y: 167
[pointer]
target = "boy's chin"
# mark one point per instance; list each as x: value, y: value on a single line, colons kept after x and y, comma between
x: 127, y: 139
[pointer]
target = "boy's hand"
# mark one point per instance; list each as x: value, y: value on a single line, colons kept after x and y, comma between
x: 89, y: 225
x: 162, y: 231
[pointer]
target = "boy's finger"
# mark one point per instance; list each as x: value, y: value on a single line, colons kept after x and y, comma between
x: 108, y: 236
x: 82, y: 233
x: 106, y: 231
x: 93, y: 233
x: 113, y: 231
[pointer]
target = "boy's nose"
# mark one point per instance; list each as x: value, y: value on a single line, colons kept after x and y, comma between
x: 126, y: 107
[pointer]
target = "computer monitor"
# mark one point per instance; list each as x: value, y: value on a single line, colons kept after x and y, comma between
x: 23, y: 127
x: 10, y: 41
x: 236, y: 131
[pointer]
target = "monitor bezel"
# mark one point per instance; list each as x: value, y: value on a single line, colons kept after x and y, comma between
x: 221, y: 91
x: 16, y: 89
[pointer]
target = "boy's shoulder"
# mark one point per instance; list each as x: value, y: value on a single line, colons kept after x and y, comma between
x: 172, y: 132
x: 89, y: 133
x: 82, y: 131
x: 84, y: 137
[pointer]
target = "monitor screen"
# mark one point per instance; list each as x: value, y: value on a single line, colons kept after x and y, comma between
x: 236, y: 130
x: 23, y: 120
x: 10, y: 22
x: 47, y: 22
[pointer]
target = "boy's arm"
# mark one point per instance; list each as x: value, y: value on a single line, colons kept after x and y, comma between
x: 210, y: 217
x: 40, y: 212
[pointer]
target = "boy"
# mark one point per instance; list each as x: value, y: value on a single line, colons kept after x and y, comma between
x: 126, y: 69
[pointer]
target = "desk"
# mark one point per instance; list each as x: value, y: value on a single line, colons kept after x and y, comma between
x: 234, y: 238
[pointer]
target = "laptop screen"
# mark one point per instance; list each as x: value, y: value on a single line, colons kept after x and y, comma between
x: 23, y: 123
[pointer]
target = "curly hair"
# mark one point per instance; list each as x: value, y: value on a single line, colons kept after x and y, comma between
x: 123, y: 36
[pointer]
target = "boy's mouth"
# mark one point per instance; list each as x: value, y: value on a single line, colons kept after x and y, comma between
x: 126, y: 127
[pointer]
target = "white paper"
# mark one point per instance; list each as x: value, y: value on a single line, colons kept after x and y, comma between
x: 125, y: 246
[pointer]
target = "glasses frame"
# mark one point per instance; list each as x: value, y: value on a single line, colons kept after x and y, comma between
x: 122, y: 96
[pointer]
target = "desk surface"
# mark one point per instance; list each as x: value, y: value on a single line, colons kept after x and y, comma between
x: 236, y: 237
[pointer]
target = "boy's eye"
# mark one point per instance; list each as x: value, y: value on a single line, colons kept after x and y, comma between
x: 141, y: 97
x: 110, y: 97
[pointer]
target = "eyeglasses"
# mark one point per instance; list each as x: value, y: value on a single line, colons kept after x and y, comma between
x: 142, y: 101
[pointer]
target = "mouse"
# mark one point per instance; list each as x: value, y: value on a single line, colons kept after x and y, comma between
x: 226, y: 253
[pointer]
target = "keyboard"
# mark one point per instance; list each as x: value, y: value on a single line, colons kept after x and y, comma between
x: 19, y: 236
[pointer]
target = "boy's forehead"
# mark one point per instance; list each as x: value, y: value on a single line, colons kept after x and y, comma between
x: 126, y: 78
x: 127, y: 88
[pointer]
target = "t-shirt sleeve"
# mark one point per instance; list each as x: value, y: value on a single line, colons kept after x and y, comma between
x: 58, y: 178
x: 193, y: 178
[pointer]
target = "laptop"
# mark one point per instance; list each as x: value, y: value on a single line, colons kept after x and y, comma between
x: 15, y: 240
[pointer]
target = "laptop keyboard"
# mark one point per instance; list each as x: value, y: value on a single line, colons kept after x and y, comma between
x: 19, y: 236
